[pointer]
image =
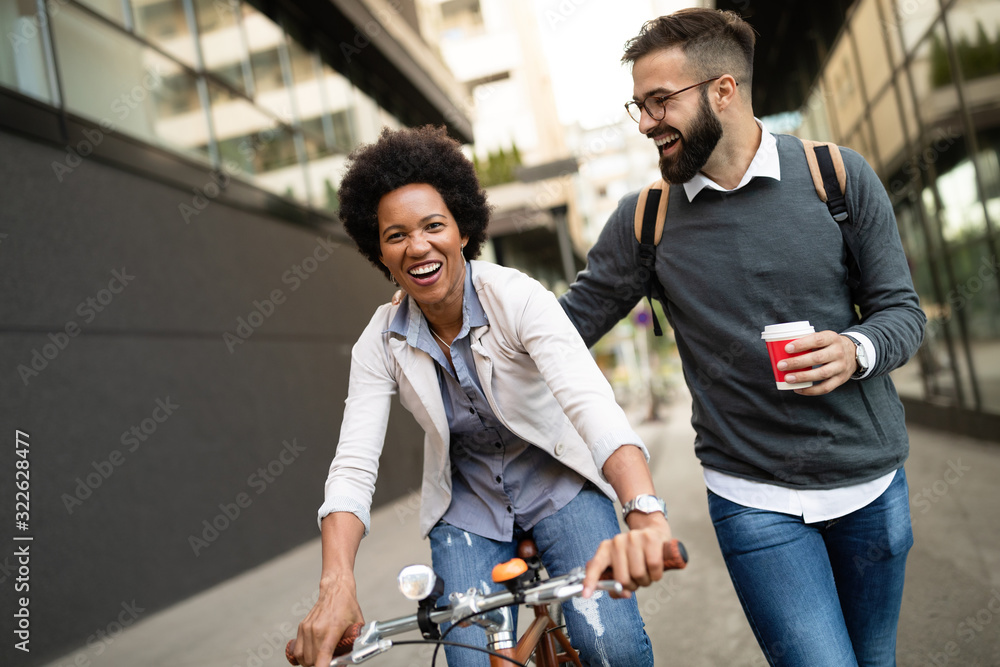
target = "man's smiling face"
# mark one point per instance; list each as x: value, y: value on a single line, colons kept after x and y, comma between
x: 689, y: 131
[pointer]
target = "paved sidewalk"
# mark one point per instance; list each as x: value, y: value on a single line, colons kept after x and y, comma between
x: 951, y: 608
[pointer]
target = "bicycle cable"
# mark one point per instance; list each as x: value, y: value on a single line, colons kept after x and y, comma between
x: 442, y: 642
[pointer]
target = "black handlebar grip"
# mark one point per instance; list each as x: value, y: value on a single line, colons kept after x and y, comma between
x: 344, y: 646
x: 675, y: 557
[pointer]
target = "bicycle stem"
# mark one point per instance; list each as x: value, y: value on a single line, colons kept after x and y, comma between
x: 476, y: 605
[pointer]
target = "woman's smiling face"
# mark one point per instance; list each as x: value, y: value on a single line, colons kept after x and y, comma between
x: 421, y: 245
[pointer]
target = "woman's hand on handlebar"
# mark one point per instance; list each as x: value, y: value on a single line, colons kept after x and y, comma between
x: 336, y: 609
x: 635, y: 557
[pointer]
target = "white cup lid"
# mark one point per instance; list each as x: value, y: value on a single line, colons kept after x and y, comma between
x: 787, y: 330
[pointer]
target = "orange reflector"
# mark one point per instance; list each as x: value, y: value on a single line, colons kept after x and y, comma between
x: 512, y: 569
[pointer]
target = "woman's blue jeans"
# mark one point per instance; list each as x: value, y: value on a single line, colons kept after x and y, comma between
x: 605, y: 631
x: 820, y: 594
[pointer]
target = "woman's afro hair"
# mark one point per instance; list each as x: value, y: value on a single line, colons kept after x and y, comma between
x: 402, y: 157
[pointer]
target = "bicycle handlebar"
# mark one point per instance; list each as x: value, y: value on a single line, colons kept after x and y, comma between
x: 675, y: 557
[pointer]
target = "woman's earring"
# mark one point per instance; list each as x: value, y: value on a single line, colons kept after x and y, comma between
x: 393, y: 279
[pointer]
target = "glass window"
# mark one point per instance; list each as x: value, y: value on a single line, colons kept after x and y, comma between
x: 256, y: 146
x: 223, y: 48
x: 867, y: 32
x: 890, y: 31
x: 265, y: 40
x: 859, y: 141
x: 945, y: 145
x: 961, y: 217
x: 461, y: 18
x: 975, y: 34
x: 336, y: 127
x: 22, y: 52
x: 972, y: 202
x: 113, y: 9
x: 914, y: 18
x: 927, y: 375
x: 888, y: 129
x: 306, y: 85
x: 139, y: 91
x: 367, y: 125
x: 341, y: 127
x: 844, y: 87
x: 164, y: 23
x: 906, y: 101
x: 962, y: 213
x: 815, y: 119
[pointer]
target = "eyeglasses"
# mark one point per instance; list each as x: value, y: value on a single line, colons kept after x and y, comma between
x: 654, y: 104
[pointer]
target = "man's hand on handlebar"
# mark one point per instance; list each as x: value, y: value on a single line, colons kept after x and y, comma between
x: 635, y: 558
x: 336, y: 609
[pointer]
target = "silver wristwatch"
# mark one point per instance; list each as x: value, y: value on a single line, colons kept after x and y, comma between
x: 646, y: 504
x: 861, y: 357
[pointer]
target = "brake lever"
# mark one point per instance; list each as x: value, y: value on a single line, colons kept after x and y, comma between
x: 566, y: 591
x: 358, y: 656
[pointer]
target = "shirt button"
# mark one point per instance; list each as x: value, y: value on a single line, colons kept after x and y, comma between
x: 497, y: 445
x: 508, y: 508
x: 472, y: 411
x: 498, y: 478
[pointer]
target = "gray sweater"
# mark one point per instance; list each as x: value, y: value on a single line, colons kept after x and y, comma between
x: 731, y: 263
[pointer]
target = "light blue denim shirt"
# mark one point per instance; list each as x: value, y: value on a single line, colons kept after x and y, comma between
x: 498, y: 479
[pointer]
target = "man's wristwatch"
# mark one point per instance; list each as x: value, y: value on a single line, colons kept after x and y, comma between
x: 860, y: 356
x: 646, y: 504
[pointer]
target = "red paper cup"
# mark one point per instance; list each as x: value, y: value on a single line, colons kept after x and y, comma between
x: 776, y: 337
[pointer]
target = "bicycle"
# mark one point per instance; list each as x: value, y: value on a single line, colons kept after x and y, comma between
x: 544, y: 638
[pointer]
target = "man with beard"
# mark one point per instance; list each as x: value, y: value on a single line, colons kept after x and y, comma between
x: 806, y: 488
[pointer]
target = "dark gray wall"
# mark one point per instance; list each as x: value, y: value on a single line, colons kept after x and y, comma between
x: 161, y: 339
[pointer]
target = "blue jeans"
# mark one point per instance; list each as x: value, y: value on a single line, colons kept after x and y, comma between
x: 820, y: 594
x: 605, y: 631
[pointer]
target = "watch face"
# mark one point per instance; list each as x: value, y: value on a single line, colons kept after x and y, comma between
x: 645, y: 504
x: 648, y: 504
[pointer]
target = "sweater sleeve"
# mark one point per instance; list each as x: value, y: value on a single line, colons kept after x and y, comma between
x: 573, y: 376
x: 891, y: 316
x: 612, y: 283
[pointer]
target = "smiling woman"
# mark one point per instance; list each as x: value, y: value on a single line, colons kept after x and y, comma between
x: 422, y: 248
x: 522, y: 433
x: 422, y: 155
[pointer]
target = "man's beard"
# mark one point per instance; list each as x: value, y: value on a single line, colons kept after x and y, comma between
x: 699, y: 142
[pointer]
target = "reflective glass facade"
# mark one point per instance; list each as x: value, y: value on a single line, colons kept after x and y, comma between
x: 915, y: 87
x: 218, y: 81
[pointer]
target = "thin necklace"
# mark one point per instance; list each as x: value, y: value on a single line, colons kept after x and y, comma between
x: 439, y: 338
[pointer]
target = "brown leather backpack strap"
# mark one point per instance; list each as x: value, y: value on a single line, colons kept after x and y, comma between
x: 814, y: 170
x: 656, y: 194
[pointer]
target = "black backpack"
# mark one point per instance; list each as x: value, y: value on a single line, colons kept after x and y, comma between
x: 826, y: 165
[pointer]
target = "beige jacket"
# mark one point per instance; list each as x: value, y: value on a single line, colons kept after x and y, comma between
x: 536, y: 373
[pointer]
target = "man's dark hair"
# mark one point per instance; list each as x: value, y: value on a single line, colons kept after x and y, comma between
x: 715, y: 42
x: 403, y: 157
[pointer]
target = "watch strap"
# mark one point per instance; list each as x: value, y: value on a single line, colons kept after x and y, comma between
x: 859, y: 354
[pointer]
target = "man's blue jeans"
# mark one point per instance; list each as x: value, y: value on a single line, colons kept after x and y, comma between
x: 605, y: 631
x: 820, y: 594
